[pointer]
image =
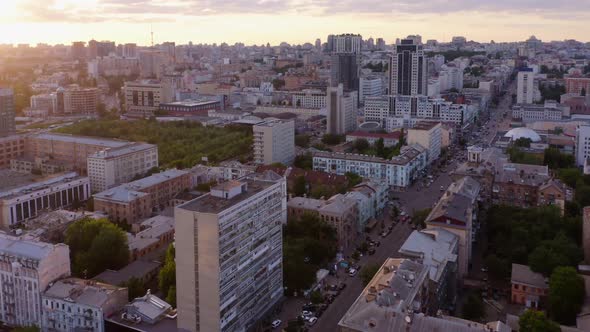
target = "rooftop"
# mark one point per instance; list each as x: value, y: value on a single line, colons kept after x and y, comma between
x: 523, y: 274
x: 108, y: 143
x: 408, y: 154
x: 123, y: 150
x: 87, y: 292
x: 137, y: 269
x: 393, y: 135
x: 15, y: 246
x: 44, y: 183
x: 191, y: 102
x: 255, y: 183
x: 424, y: 125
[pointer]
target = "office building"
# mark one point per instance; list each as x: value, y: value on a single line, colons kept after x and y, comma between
x: 27, y: 268
x: 137, y: 200
x: 229, y: 254
x: 389, y: 139
x: 525, y: 87
x: 190, y: 107
x: 78, y: 50
x: 344, y: 69
x: 308, y: 98
x: 341, y: 107
x: 69, y: 150
x: 347, y: 43
x: 46, y: 102
x: 113, y: 166
x: 152, y: 63
x: 429, y: 136
x: 582, y: 144
x: 450, y: 77
x: 7, y: 112
x: 408, y: 70
x: 76, y: 100
x: 20, y: 203
x: 398, y: 172
x: 274, y: 142
x: 550, y: 111
x: 370, y: 86
x: 11, y: 147
x: 74, y: 304
x: 130, y: 50
x: 143, y: 98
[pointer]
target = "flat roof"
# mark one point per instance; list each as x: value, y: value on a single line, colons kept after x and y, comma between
x: 123, y: 150
x: 82, y: 140
x: 132, y: 190
x: 19, y: 189
x: 15, y: 246
x: 191, y: 102
x: 424, y: 125
x: 82, y: 291
x: 137, y: 269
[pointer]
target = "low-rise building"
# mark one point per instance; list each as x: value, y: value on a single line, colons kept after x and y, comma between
x: 137, y: 200
x: 143, y: 98
x: 550, y: 111
x: 27, y: 268
x: 528, y: 288
x: 155, y: 233
x: 142, y: 269
x: 398, y: 172
x: 191, y: 107
x: 371, y: 198
x: 389, y: 139
x: 11, y: 147
x: 113, y: 166
x: 76, y: 304
x: 517, y: 184
x: 26, y: 201
x: 38, y: 165
x: 429, y: 136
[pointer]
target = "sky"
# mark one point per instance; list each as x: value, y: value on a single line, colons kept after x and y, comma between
x: 292, y: 21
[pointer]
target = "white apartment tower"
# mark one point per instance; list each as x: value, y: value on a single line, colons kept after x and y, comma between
x: 229, y: 254
x: 348, y: 43
x: 274, y: 142
x: 582, y: 144
x: 114, y: 166
x: 341, y: 108
x: 525, y: 89
x: 26, y: 269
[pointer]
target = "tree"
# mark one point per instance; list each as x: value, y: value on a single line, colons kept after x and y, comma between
x: 380, y: 148
x: 316, y: 297
x: 583, y: 92
x: 167, y: 275
x: 302, y: 140
x: 536, y: 321
x: 553, y: 158
x: 135, y: 288
x: 96, y: 245
x: 353, y: 179
x: 300, y: 186
x: 369, y: 272
x: 419, y: 217
x: 331, y: 139
x: 497, y: 267
x: 360, y: 145
x: 523, y: 142
x: 304, y: 161
x: 473, y: 308
x: 553, y: 253
x: 566, y: 295
x: 171, y: 296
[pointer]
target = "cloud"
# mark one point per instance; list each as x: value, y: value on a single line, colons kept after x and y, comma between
x: 149, y: 10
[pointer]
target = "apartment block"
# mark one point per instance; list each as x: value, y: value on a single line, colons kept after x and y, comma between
x: 23, y: 202
x: 143, y: 98
x: 77, y: 100
x: 575, y: 84
x: 528, y: 288
x: 229, y: 254
x: 398, y: 172
x: 274, y: 142
x: 11, y: 147
x: 7, y: 112
x: 68, y: 149
x: 137, y: 200
x: 582, y: 144
x: 429, y: 136
x: 26, y: 269
x: 114, y: 166
x: 341, y: 107
x: 307, y: 98
x: 339, y: 211
x: 74, y: 304
x: 525, y: 87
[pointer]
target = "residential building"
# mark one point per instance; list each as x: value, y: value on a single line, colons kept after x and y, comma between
x: 398, y: 172
x: 341, y: 107
x: 345, y: 43
x: 7, y: 112
x: 191, y: 107
x: 274, y: 142
x: 46, y: 102
x: 137, y: 200
x: 525, y: 87
x: 130, y: 50
x: 448, y: 133
x: 78, y: 50
x: 113, y: 65
x: 142, y: 269
x: 113, y: 166
x: 371, y: 198
x: 26, y: 201
x: 27, y: 268
x: 308, y: 98
x: 389, y: 139
x: 229, y: 254
x: 456, y: 212
x: 152, y: 63
x: 450, y: 77
x: 550, y: 111
x: 517, y: 184
x: 408, y: 70
x: 429, y: 136
x: 582, y: 144
x: 143, y: 98
x: 528, y: 288
x: 77, y: 100
x: 377, y: 108
x: 370, y: 86
x: 11, y: 147
x: 437, y: 249
x: 339, y: 211
x: 74, y: 304
x: 68, y: 149
x: 575, y: 84
x: 154, y: 233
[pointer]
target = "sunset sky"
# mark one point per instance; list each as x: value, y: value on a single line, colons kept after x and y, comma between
x: 293, y: 21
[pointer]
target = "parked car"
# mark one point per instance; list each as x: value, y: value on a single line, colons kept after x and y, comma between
x: 276, y: 323
x: 312, y: 321
x: 306, y: 313
x: 352, y: 272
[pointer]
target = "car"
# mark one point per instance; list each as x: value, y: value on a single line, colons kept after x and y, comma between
x: 384, y: 234
x: 306, y: 313
x: 442, y: 188
x: 352, y: 272
x: 276, y: 323
x: 342, y: 286
x: 312, y: 320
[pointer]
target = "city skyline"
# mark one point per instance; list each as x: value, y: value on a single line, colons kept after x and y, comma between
x: 64, y: 21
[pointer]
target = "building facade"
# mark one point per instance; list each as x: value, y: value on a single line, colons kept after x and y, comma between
x: 341, y: 107
x: 408, y: 70
x: 577, y: 84
x: 7, y: 112
x: 229, y: 254
x: 26, y: 270
x: 111, y: 167
x: 525, y: 87
x: 429, y: 136
x: 11, y: 147
x: 143, y: 98
x: 582, y: 144
x: 274, y: 142
x: 528, y: 288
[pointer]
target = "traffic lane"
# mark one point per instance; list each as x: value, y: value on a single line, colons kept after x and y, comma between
x: 389, y: 248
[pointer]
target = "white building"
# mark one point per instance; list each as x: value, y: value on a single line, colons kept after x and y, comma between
x: 308, y: 98
x: 429, y: 136
x: 525, y: 87
x: 274, y: 142
x: 370, y: 86
x: 143, y: 98
x: 399, y: 172
x: 551, y: 111
x: 376, y: 108
x: 371, y: 198
x: 229, y: 254
x: 451, y: 77
x: 21, y: 203
x: 347, y: 43
x: 80, y: 305
x: 341, y: 108
x: 582, y: 144
x: 114, y: 166
x: 26, y: 269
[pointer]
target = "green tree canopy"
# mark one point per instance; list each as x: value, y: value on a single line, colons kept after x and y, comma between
x: 553, y: 253
x: 135, y: 288
x: 96, y: 245
x: 498, y: 268
x: 360, y: 145
x: 300, y: 186
x: 167, y: 274
x: 536, y: 321
x: 566, y: 294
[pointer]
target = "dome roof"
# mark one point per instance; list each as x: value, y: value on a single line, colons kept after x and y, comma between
x: 522, y: 132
